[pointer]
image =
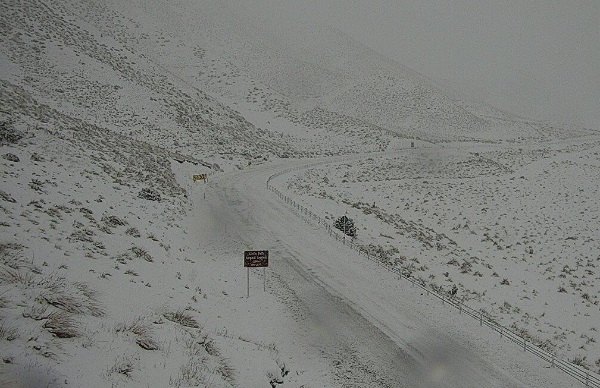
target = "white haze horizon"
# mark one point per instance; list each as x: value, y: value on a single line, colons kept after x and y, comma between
x: 536, y: 59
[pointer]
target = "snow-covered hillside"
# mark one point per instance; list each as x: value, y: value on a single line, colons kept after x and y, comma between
x: 514, y: 229
x: 116, y: 269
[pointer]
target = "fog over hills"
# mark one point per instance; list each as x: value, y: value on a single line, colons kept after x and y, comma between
x: 534, y: 58
x: 147, y: 68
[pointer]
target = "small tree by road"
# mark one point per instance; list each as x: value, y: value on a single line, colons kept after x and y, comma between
x: 346, y: 225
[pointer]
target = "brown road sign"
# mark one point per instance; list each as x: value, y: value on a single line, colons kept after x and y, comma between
x: 256, y: 258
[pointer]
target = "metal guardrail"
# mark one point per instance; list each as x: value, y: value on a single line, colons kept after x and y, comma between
x: 584, y: 376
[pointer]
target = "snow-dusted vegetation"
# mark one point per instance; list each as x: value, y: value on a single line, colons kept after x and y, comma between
x: 116, y: 269
x: 511, y: 228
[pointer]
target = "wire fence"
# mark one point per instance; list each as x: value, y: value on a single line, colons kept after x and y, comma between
x: 586, y: 377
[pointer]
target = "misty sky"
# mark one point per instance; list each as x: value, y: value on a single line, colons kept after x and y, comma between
x: 536, y: 58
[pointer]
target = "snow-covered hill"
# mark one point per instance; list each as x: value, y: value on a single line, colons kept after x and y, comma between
x: 513, y: 229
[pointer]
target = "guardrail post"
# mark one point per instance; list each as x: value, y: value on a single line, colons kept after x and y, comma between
x: 587, y: 378
x: 552, y: 363
x: 524, y: 344
x: 480, y: 318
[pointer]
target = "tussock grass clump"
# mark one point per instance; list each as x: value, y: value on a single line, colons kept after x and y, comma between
x: 113, y: 221
x: 183, y: 318
x: 190, y: 374
x: 150, y: 194
x: 8, y: 333
x: 72, y: 298
x: 122, y: 366
x: 8, y: 133
x: 62, y: 325
x: 11, y: 276
x: 76, y: 298
x: 227, y: 372
x: 6, y: 197
x: 143, y: 334
x: 205, y: 365
x: 3, y: 302
x: 131, y: 272
x: 83, y: 235
x: 210, y: 346
x: 133, y: 232
x: 142, y: 253
x: 146, y: 342
x: 37, y: 185
x: 9, y: 253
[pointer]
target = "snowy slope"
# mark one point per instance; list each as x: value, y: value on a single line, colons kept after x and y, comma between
x: 513, y: 229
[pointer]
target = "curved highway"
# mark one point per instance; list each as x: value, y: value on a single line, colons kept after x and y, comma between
x: 376, y: 331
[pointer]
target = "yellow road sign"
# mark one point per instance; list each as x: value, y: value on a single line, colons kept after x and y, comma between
x: 199, y: 177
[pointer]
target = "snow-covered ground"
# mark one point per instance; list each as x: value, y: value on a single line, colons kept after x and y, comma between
x: 116, y: 269
x: 514, y: 228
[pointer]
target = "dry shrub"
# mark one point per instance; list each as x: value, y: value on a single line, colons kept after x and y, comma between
x: 581, y: 361
x: 142, y: 253
x: 113, y: 221
x: 133, y: 232
x: 8, y: 133
x: 183, y: 318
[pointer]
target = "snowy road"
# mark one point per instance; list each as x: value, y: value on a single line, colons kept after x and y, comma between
x: 375, y: 329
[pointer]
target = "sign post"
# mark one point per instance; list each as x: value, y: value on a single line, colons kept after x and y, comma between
x: 256, y: 259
